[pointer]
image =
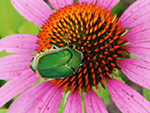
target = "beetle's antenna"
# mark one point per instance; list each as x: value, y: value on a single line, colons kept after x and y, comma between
x: 65, y: 38
x: 75, y: 45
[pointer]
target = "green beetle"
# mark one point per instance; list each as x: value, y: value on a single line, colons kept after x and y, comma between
x: 57, y: 63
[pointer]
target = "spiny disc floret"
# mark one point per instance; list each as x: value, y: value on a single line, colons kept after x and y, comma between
x: 94, y: 32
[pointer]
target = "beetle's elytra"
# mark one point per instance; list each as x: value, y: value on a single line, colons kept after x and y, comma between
x: 57, y: 63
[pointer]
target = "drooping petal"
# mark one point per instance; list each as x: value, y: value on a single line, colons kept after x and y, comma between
x: 69, y: 2
x: 88, y: 1
x: 19, y: 43
x: 28, y: 100
x: 109, y: 4
x: 36, y: 11
x: 51, y: 101
x: 80, y: 1
x: 73, y: 104
x: 16, y: 86
x: 137, y: 13
x: 93, y: 104
x: 139, y: 33
x: 140, y: 49
x: 126, y: 98
x: 93, y: 1
x: 136, y: 70
x: 57, y: 4
x: 14, y: 65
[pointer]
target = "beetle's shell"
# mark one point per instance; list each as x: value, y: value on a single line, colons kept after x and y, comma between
x: 57, y: 63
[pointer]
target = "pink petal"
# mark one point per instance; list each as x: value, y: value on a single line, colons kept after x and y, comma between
x: 73, y: 104
x: 139, y: 33
x: 137, y: 13
x: 109, y: 4
x: 137, y: 71
x: 126, y: 98
x: 14, y: 65
x: 36, y: 11
x: 93, y: 104
x: 16, y: 86
x: 57, y: 4
x: 28, y: 100
x: 19, y: 43
x: 140, y: 49
x: 88, y: 1
x: 51, y: 101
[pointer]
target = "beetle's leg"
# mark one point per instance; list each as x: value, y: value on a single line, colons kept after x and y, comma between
x: 44, y: 49
x: 82, y: 64
x: 55, y: 46
x: 65, y: 38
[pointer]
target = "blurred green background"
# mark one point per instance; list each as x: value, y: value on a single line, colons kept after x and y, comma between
x: 13, y: 23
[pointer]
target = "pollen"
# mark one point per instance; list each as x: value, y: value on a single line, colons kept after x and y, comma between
x: 92, y: 30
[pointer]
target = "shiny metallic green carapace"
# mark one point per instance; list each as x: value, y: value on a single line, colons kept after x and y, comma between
x: 57, y: 63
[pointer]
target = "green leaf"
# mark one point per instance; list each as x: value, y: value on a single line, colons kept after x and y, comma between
x: 10, y: 19
x: 103, y: 94
x: 82, y: 103
x: 117, y: 9
x: 3, y: 53
x: 146, y: 94
x: 63, y: 101
x: 3, y: 110
x: 29, y: 28
x: 12, y: 22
